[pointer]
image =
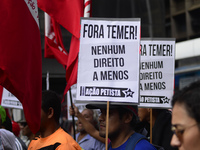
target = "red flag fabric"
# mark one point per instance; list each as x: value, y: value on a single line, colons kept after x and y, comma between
x: 66, y: 12
x: 72, y: 67
x: 1, y: 93
x: 54, y: 47
x: 20, y: 59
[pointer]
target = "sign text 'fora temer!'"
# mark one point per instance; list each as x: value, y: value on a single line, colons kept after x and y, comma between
x: 113, y: 31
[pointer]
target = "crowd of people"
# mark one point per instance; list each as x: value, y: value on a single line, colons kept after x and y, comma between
x: 128, y: 126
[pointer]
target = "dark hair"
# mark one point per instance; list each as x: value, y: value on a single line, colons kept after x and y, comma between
x: 53, y: 100
x: 134, y: 120
x: 7, y: 124
x: 190, y: 98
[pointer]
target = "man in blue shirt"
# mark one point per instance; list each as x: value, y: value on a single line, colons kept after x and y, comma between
x: 122, y: 120
x: 86, y: 141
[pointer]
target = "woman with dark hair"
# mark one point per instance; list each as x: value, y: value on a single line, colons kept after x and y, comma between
x: 186, y: 118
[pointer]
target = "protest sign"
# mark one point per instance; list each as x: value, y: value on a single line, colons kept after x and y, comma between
x: 157, y: 72
x: 108, y: 68
x: 10, y: 101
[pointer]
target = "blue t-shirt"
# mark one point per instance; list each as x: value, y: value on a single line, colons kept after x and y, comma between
x: 90, y: 143
x: 141, y: 145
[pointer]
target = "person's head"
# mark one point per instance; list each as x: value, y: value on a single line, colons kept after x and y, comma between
x: 25, y: 129
x: 88, y: 115
x: 121, y: 118
x: 186, y: 118
x: 7, y: 124
x: 2, y: 115
x: 144, y: 114
x: 51, y: 109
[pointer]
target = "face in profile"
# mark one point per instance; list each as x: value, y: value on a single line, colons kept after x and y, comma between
x: 25, y: 129
x: 115, y: 123
x: 88, y: 115
x: 187, y: 132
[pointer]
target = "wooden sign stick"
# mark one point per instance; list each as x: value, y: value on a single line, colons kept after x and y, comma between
x: 151, y: 125
x: 107, y: 124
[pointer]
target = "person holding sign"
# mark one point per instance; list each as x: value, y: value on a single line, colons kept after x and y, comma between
x: 186, y: 118
x: 121, y: 133
x: 161, y: 126
x: 89, y: 127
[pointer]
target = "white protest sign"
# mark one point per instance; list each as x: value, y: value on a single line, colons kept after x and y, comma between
x: 157, y: 72
x: 9, y: 100
x: 108, y: 68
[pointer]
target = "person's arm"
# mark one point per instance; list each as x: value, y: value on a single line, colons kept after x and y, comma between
x: 89, y: 128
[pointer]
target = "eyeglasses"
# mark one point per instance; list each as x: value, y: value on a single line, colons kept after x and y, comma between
x: 179, y: 132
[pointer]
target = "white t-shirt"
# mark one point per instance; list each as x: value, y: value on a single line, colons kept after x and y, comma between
x: 8, y: 139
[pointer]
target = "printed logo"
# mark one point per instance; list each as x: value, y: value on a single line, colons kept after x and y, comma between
x: 165, y: 100
x: 106, y: 91
x: 12, y: 102
x: 128, y: 93
x: 154, y: 99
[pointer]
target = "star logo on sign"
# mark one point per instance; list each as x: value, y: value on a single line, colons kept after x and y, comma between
x: 128, y: 93
x: 165, y: 100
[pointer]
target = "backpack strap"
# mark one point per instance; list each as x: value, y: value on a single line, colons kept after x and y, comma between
x: 109, y: 145
x: 133, y: 140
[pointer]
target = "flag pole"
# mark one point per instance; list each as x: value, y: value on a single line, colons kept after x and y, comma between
x: 151, y: 125
x: 86, y: 14
x: 87, y: 8
x: 73, y: 121
x: 107, y: 124
x: 47, y: 81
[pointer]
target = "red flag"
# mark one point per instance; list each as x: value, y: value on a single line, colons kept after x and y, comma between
x: 72, y: 67
x: 20, y: 59
x: 54, y: 47
x: 66, y: 12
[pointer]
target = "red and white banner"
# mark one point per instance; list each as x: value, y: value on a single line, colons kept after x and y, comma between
x: 54, y: 47
x: 67, y: 13
x: 20, y: 59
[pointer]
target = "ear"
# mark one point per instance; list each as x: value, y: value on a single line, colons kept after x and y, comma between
x: 128, y: 117
x: 50, y: 113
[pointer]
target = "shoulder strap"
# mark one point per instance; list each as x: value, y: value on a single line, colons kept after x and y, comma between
x: 133, y: 140
x: 109, y: 145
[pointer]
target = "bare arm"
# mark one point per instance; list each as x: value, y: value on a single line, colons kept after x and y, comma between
x: 89, y: 128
